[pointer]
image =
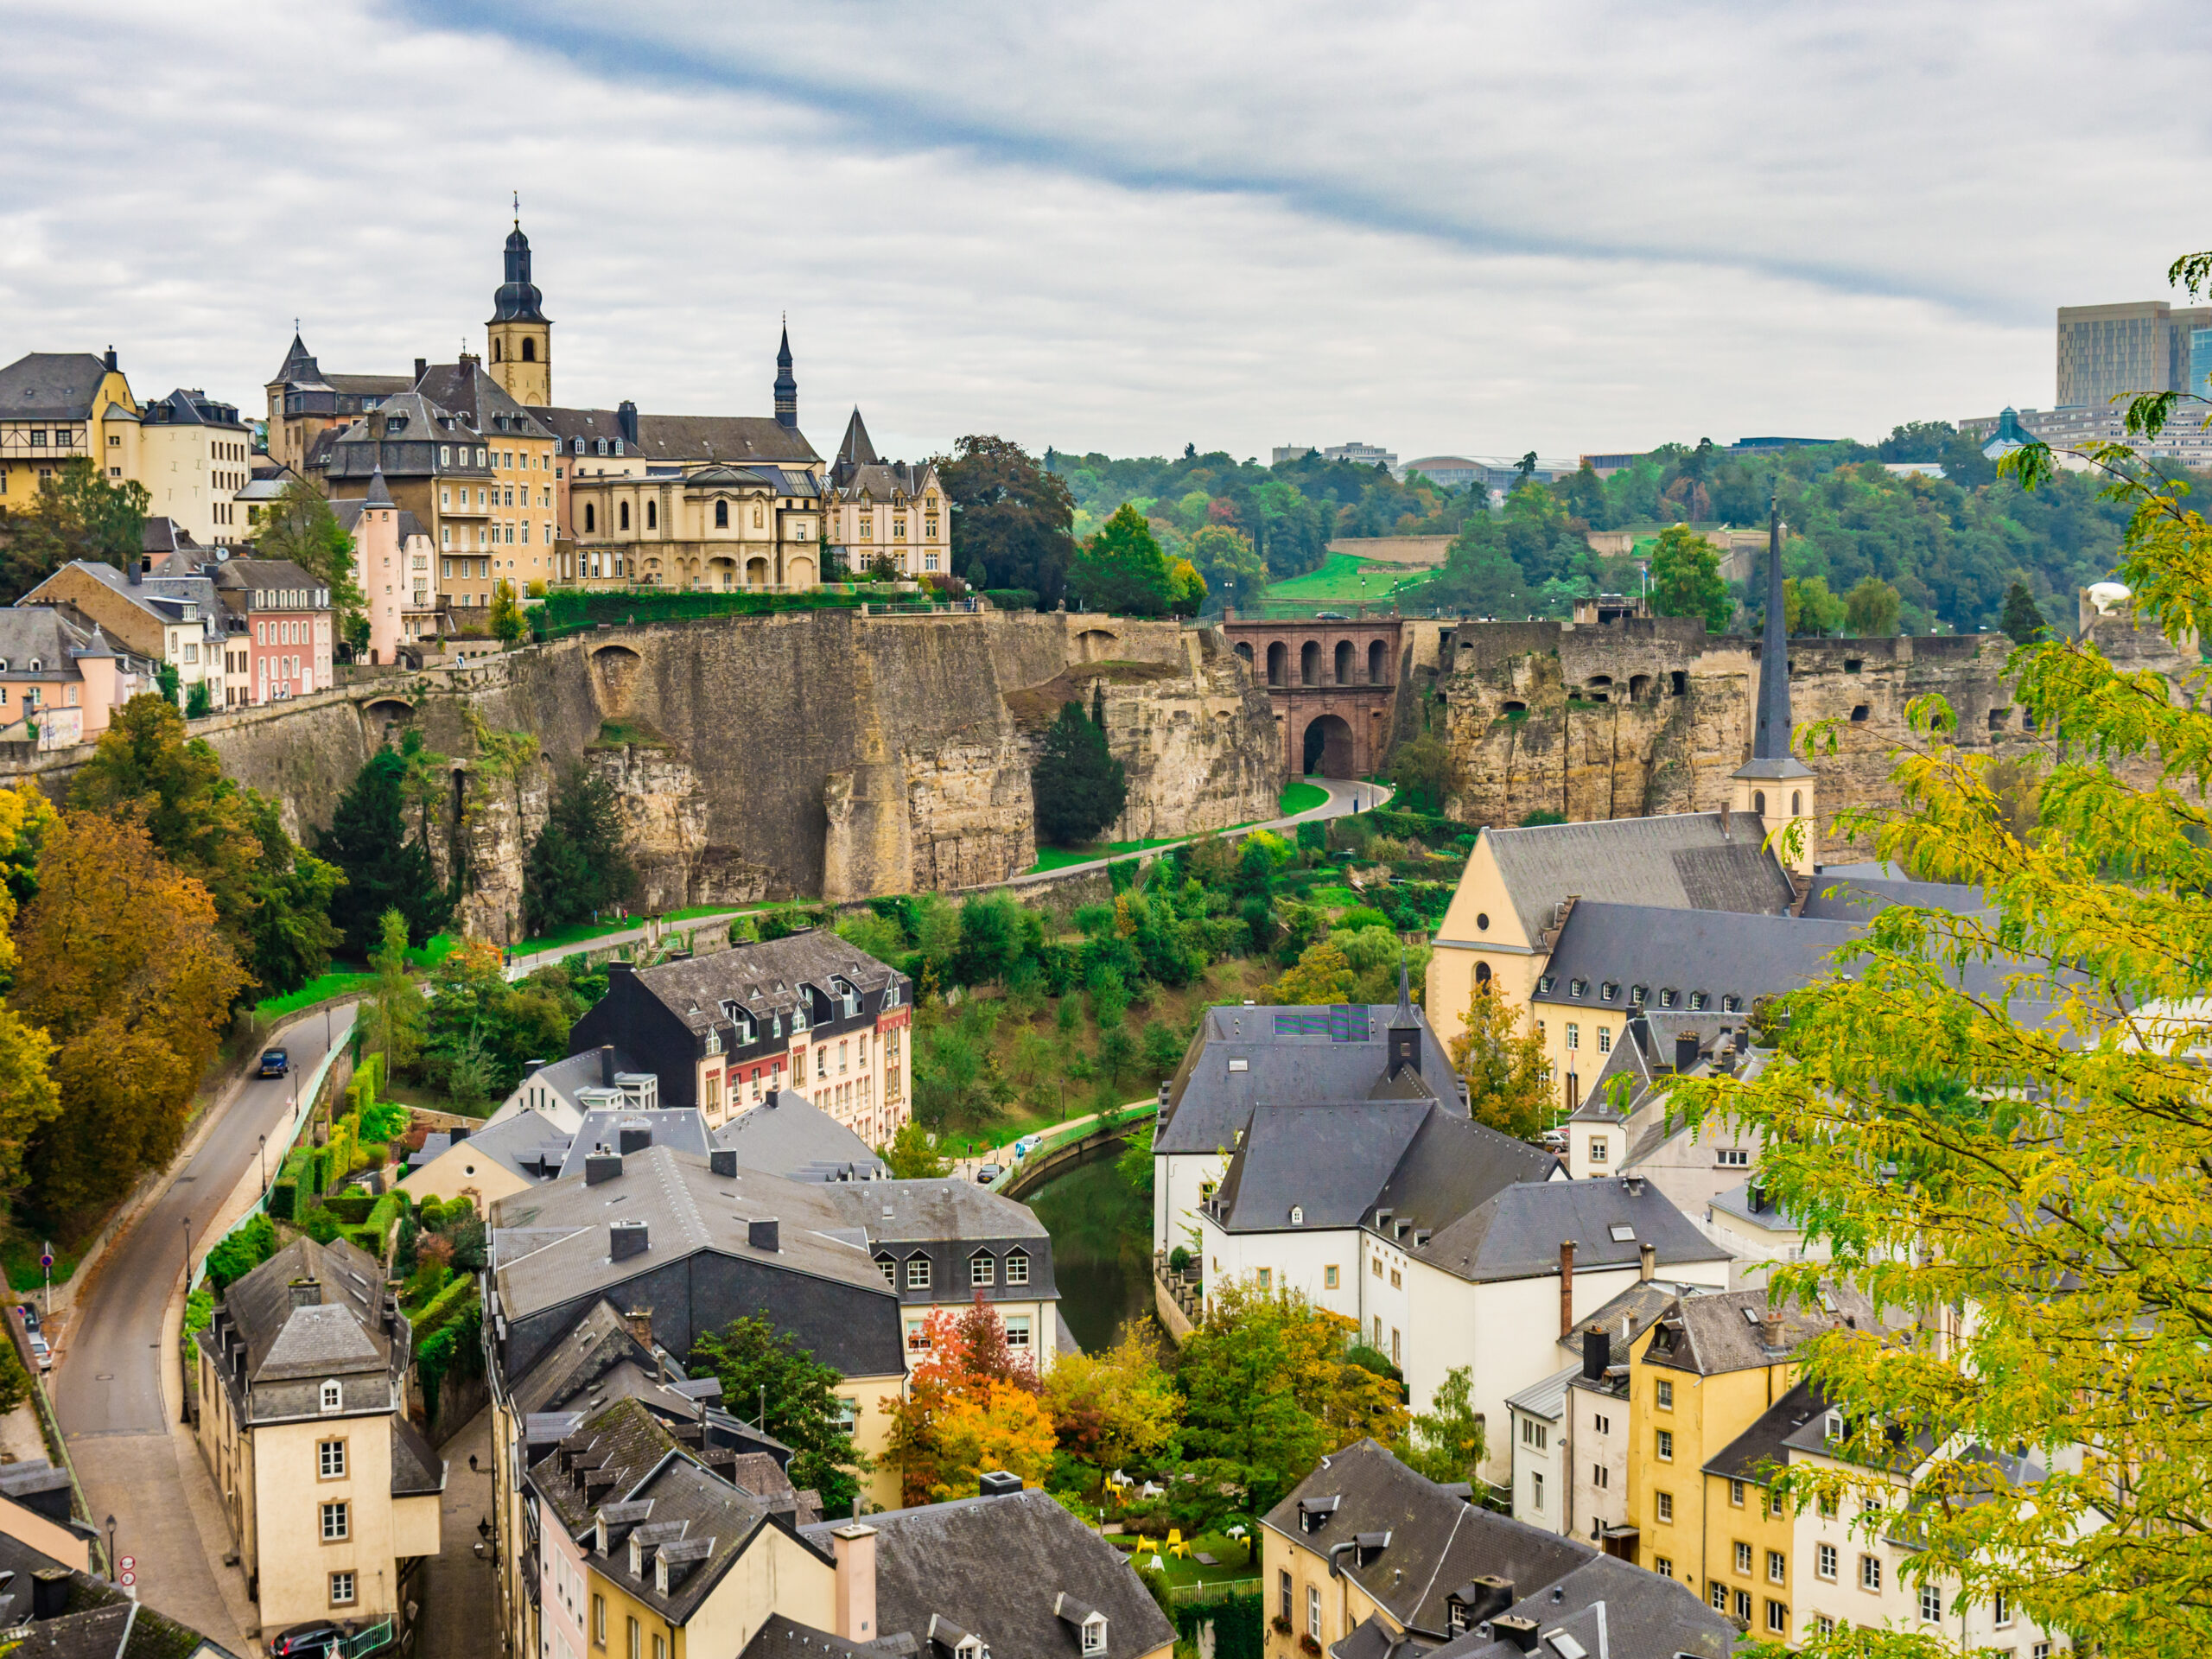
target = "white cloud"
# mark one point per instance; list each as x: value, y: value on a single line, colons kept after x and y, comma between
x: 1119, y: 227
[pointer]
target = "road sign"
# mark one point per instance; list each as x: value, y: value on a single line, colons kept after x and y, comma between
x: 46, y: 1260
x: 127, y: 1580
x: 129, y: 1563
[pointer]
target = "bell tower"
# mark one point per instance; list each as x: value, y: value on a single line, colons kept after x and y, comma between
x: 519, y: 339
x: 1774, y: 783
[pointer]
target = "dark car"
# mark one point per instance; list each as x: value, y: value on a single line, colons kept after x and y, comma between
x: 318, y: 1637
x: 30, y: 1317
x: 274, y: 1063
x: 989, y: 1173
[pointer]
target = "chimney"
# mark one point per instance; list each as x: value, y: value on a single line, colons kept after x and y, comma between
x: 854, y: 1546
x: 421, y: 368
x: 626, y: 416
x: 722, y: 1161
x: 305, y: 1292
x: 632, y: 1136
x: 601, y: 1165
x: 771, y: 1099
x: 1521, y: 1632
x: 50, y: 1585
x: 136, y: 569
x: 763, y: 1234
x: 1597, y: 1353
x: 110, y: 360
x: 456, y: 1135
x: 376, y: 426
x: 1686, y: 1051
x: 1640, y: 1028
x: 1647, y: 1264
x: 1000, y: 1483
x: 1771, y: 1330
x: 625, y: 1239
x: 1566, y: 1286
x: 639, y: 1320
x: 607, y: 1065
x: 1726, y: 834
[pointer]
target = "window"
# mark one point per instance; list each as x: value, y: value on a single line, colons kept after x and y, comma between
x: 1663, y: 1505
x: 1663, y: 1566
x: 637, y: 1635
x: 1822, y: 1625
x: 1777, y: 1567
x: 1017, y: 1332
x: 330, y: 1458
x: 1397, y: 1280
x: 1664, y: 1446
x: 1824, y: 1561
x: 1736, y: 1493
x: 1605, y: 1040
x: 918, y: 1336
x: 334, y: 1526
x: 982, y: 1268
x: 1328, y: 1277
x: 1931, y: 1604
x: 1743, y: 1558
x: 1733, y: 1158
x: 1283, y: 1588
x: 341, y: 1589
x: 334, y: 1396
x: 1376, y: 1264
x: 1778, y: 1619
x: 1573, y: 1035
x: 1094, y: 1634
x: 1600, y: 1476
x: 1536, y: 1493
x: 1267, y: 1278
x: 1601, y: 1152
x: 1743, y: 1606
x: 1533, y: 1434
x: 1601, y: 1423
x: 2041, y: 1650
x: 1720, y: 1598
x: 598, y: 1620
x: 1017, y: 1267
x: 1662, y: 1394
x: 1314, y: 1610
x: 2000, y: 1610
x: 918, y: 1272
x: 1870, y: 1572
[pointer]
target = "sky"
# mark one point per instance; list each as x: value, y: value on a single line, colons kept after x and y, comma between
x: 1452, y: 228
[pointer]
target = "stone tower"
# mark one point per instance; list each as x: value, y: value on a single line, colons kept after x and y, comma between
x: 519, y: 337
x: 1774, y: 783
x: 787, y: 386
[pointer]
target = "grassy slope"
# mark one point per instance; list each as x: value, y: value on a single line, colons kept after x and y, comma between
x: 1336, y: 582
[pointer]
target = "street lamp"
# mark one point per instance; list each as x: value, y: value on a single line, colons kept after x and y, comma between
x: 262, y: 1151
x: 111, y: 1546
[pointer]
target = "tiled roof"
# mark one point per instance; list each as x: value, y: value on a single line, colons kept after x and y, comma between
x: 1724, y: 1332
x: 51, y: 386
x: 1680, y: 861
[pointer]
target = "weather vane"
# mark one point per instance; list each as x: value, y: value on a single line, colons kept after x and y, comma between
x: 518, y: 210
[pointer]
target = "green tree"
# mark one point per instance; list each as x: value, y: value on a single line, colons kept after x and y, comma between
x: 386, y: 868
x: 2022, y: 620
x: 1808, y: 607
x: 1079, y: 786
x: 578, y: 866
x: 1686, y: 579
x: 754, y: 1361
x: 77, y: 514
x: 1011, y: 513
x: 1421, y: 767
x: 396, y: 1008
x: 911, y: 1156
x: 199, y: 701
x: 299, y: 525
x: 1231, y: 565
x: 1870, y: 609
x: 1445, y: 1442
x: 1186, y: 589
x: 1121, y: 568
x: 1508, y: 1081
x: 507, y: 624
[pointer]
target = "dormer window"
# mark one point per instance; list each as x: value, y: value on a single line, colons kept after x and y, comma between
x: 918, y: 1272
x: 1731, y: 1005
x: 1697, y: 1000
x: 889, y: 1268
x: 1017, y: 1267
x: 1093, y: 1633
x: 1637, y: 994
x: 334, y: 1396
x: 1578, y: 988
x: 1609, y: 990
x: 890, y: 991
x: 637, y: 1557
x: 1544, y: 985
x: 1832, y: 1426
x: 971, y: 1647
x: 982, y: 1268
x: 1666, y: 996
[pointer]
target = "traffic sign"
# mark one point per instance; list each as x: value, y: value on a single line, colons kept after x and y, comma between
x: 129, y: 1563
x: 46, y: 1259
x: 127, y: 1580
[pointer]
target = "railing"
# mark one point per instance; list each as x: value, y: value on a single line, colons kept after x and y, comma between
x: 1051, y: 1141
x: 376, y: 1637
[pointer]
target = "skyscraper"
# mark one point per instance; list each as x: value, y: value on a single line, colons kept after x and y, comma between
x: 2107, y: 351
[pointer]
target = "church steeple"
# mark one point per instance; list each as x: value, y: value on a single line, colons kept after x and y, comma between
x: 787, y: 386
x: 1770, y: 740
x: 1774, y: 785
x: 519, y: 339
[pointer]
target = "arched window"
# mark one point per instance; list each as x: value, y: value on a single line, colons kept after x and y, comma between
x: 1378, y: 659
x: 530, y: 351
x: 495, y: 351
x: 622, y: 512
x: 1796, y: 803
x: 1759, y: 802
x: 722, y: 515
x: 1344, y: 662
x: 1482, y: 973
x: 334, y: 1396
x: 757, y: 519
x: 591, y: 518
x: 652, y: 515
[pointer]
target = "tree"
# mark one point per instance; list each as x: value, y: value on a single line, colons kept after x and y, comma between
x: 1686, y: 579
x: 580, y: 864
x: 1808, y: 606
x: 1121, y: 568
x: 911, y: 1156
x: 754, y: 1362
x: 971, y: 1405
x: 1011, y: 513
x: 29, y: 1097
x: 1118, y: 1409
x: 480, y: 1031
x: 199, y: 701
x: 77, y: 514
x: 1445, y: 1442
x: 1508, y: 1081
x: 395, y: 1009
x: 1421, y: 767
x: 1186, y: 589
x: 1231, y: 565
x: 507, y: 624
x: 386, y: 868
x: 1079, y: 786
x: 1996, y: 1125
x: 125, y: 967
x: 1322, y: 975
x: 2022, y: 620
x: 1870, y: 609
x: 299, y: 525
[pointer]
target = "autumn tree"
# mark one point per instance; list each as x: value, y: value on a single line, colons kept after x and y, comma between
x: 1445, y: 1442
x: 1997, y: 1124
x: 29, y: 1097
x: 911, y: 1155
x: 1322, y: 975
x: 1118, y: 1409
x: 125, y: 967
x: 1508, y: 1081
x: 507, y: 624
x: 768, y: 1377
x: 1010, y: 515
x: 1686, y: 579
x: 973, y: 1405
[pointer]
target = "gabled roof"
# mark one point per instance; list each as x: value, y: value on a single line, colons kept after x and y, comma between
x: 51, y: 386
x: 99, y: 1620
x: 1723, y: 1332
x: 1714, y: 953
x: 1749, y: 1456
x: 341, y: 1333
x: 787, y: 1135
x: 680, y: 1129
x: 701, y: 1523
x: 1851, y: 897
x: 786, y: 1638
x: 465, y: 390
x: 1517, y: 1234
x: 1679, y: 860
x: 1608, y: 1607
x: 764, y: 979
x: 998, y: 1567
x: 743, y: 439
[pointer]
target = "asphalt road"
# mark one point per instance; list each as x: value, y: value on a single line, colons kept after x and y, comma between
x: 107, y: 1377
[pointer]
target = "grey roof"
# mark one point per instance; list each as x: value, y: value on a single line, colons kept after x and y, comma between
x: 416, y: 1471
x: 51, y: 386
x: 680, y: 1129
x: 1547, y: 1398
x: 465, y: 390
x: 261, y: 576
x: 764, y: 979
x: 191, y: 407
x: 740, y: 438
x: 1721, y: 1333
x: 1517, y: 1234
x: 163, y: 597
x: 584, y: 1366
x: 1737, y: 1201
x: 787, y: 1135
x: 524, y: 1144
x: 1438, y: 1540
x: 348, y: 513
x: 949, y: 1221
x: 1642, y: 1305
x: 623, y: 1439
x: 997, y: 1566
x: 1680, y: 861
x: 42, y: 632
x: 341, y: 1334
x: 99, y: 1620
x: 1749, y: 1456
x: 780, y: 480
x: 786, y: 1638
x: 1613, y: 1610
x: 1287, y: 1056
x: 1709, y: 953
x: 1853, y: 898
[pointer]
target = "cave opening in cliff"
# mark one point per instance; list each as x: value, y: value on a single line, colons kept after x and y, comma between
x: 1329, y: 747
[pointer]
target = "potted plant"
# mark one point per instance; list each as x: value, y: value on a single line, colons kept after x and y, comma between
x: 1282, y: 1624
x: 1307, y: 1644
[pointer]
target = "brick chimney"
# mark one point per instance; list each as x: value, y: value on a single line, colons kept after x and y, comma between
x: 640, y: 1323
x: 1567, y: 1287
x: 854, y: 1546
x: 1647, y: 1262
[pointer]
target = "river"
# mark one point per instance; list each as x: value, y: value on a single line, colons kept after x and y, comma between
x: 1101, y: 1246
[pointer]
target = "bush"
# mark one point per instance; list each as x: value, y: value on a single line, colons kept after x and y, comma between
x: 283, y: 1199
x: 244, y: 1247
x: 1012, y: 598
x: 350, y: 1207
x: 1178, y: 1260
x: 1360, y: 915
x: 321, y: 1225
x: 384, y: 1122
x: 1239, y: 1631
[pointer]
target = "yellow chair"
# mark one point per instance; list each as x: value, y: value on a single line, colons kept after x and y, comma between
x: 1175, y: 1544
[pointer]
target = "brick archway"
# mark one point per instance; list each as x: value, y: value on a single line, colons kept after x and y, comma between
x: 1319, y: 669
x: 1329, y: 747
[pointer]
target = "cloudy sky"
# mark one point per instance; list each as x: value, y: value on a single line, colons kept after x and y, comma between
x: 1120, y: 227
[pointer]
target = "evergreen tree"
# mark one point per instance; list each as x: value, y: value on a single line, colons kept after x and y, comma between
x: 1080, y: 786
x: 2022, y: 619
x: 385, y: 869
x: 507, y: 624
x: 578, y: 865
x: 1122, y: 569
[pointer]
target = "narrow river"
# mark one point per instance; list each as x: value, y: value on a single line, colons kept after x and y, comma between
x: 1101, y: 1225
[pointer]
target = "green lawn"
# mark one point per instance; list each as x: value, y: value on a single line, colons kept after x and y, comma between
x: 323, y: 986
x: 1230, y: 1558
x: 1337, y: 582
x: 1058, y: 858
x: 1302, y: 797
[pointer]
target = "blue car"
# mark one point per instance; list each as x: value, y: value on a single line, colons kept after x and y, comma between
x: 274, y: 1063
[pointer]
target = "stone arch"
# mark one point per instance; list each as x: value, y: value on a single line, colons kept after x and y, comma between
x: 1309, y: 662
x: 615, y: 671
x: 1095, y: 645
x: 388, y: 711
x: 1244, y: 650
x: 1278, y: 663
x: 756, y: 572
x: 1344, y: 660
x: 1639, y: 688
x: 801, y: 572
x: 721, y: 571
x: 1329, y: 747
x: 1378, y: 663
x: 529, y: 349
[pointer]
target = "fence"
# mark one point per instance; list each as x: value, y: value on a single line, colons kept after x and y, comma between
x: 1051, y: 1142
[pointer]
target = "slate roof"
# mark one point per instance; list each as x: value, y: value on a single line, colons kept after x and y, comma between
x: 1713, y: 954
x: 1642, y: 1305
x: 192, y: 407
x: 51, y: 386
x: 765, y: 979
x: 623, y: 1439
x: 1855, y: 898
x: 786, y: 1638
x: 1678, y: 860
x: 46, y: 632
x: 948, y: 1221
x: 740, y: 438
x: 416, y: 1471
x: 1517, y: 1233
x: 995, y: 1566
x: 1737, y: 1201
x: 1439, y: 1541
x: 348, y: 513
x: 242, y: 577
x: 163, y: 597
x: 598, y: 1357
x: 1289, y: 1056
x: 703, y: 1523
x: 680, y: 1129
x: 1711, y: 1334
x: 341, y: 1334
x: 100, y: 1621
x: 1748, y: 1456
x: 787, y: 1135
x: 1547, y: 1398
x: 1612, y: 1609
x: 465, y: 390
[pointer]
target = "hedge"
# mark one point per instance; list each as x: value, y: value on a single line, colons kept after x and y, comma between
x: 1012, y: 598
x: 1239, y: 1625
x: 352, y: 1208
x: 446, y: 1306
x: 283, y: 1199
x: 568, y: 611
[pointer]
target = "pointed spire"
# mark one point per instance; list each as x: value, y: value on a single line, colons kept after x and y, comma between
x: 786, y: 385
x: 379, y: 495
x: 1404, y: 1015
x: 857, y: 450
x: 1770, y: 740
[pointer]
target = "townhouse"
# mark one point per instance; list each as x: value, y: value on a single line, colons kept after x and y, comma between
x: 61, y: 681
x: 169, y: 616
x: 287, y: 630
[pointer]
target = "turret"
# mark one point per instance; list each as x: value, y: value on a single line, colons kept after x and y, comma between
x: 519, y: 339
x: 787, y: 386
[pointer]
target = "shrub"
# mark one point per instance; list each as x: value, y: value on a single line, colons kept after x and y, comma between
x: 244, y: 1247
x: 1011, y: 599
x: 1178, y: 1260
x: 283, y: 1199
x: 321, y: 1225
x: 1360, y: 915
x: 350, y: 1207
x: 384, y: 1122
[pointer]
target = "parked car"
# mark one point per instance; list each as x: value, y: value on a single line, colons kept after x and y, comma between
x: 1553, y: 1140
x: 317, y: 1637
x: 274, y: 1063
x: 989, y: 1173
x: 43, y: 1354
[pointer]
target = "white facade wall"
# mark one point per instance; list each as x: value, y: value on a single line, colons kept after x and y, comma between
x: 1181, y: 1181
x: 1292, y: 1259
x: 1539, y: 1491
x: 1897, y: 1603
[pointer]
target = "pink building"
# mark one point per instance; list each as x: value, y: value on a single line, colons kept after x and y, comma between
x: 287, y: 623
x: 59, y: 677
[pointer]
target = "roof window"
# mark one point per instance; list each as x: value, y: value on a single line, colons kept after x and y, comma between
x: 1609, y: 990
x: 1622, y: 1233
x: 1697, y: 1000
x: 1543, y: 985
x: 1578, y: 988
x: 1666, y: 996
x: 1638, y: 994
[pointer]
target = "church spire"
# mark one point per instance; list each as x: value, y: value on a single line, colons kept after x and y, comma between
x: 1774, y: 785
x: 1770, y: 740
x: 786, y: 385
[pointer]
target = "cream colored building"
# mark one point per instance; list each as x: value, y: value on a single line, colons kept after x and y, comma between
x: 886, y: 511
x: 331, y: 1494
x: 195, y: 456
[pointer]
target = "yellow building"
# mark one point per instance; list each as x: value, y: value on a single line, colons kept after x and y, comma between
x: 331, y: 1493
x: 59, y: 406
x: 1752, y: 1556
